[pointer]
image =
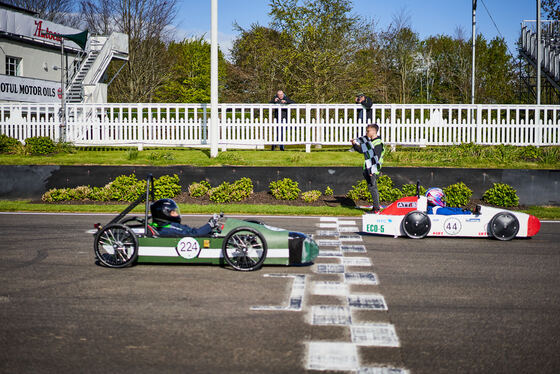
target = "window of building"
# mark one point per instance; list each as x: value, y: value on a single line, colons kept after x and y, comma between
x: 13, y: 66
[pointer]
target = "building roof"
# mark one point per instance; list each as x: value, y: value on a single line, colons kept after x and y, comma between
x: 6, y: 5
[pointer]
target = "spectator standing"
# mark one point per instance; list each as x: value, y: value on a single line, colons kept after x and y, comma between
x: 366, y: 103
x: 280, y: 116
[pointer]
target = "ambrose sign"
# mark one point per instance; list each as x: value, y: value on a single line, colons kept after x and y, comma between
x: 28, y: 90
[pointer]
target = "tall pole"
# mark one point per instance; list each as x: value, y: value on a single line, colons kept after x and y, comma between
x: 63, y: 96
x: 214, y: 81
x: 473, y: 49
x: 539, y: 54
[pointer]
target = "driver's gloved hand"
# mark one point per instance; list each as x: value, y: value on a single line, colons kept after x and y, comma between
x: 213, y: 222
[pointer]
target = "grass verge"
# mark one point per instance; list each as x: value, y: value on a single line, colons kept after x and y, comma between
x: 541, y: 212
x: 452, y: 156
x: 26, y: 206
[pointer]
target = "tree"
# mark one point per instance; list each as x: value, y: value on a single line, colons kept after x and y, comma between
x: 190, y: 74
x: 59, y: 11
x: 146, y: 22
x: 551, y: 8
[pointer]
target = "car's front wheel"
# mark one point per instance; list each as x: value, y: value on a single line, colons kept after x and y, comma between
x: 116, y: 246
x: 504, y: 226
x: 416, y: 224
x: 244, y: 249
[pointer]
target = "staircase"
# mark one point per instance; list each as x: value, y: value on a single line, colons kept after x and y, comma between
x: 550, y: 48
x: 100, y: 51
x: 74, y: 92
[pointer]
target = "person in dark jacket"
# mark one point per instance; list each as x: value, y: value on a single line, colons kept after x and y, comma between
x: 371, y: 146
x: 280, y: 116
x: 166, y: 220
x: 366, y: 104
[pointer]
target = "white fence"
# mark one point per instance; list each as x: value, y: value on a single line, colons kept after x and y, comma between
x: 256, y: 125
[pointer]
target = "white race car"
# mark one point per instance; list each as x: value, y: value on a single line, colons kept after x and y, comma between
x: 409, y: 217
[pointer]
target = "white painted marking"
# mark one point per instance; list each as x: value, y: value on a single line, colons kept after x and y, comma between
x: 348, y: 229
x: 326, y: 233
x: 4, y: 299
x: 329, y: 253
x: 382, y: 370
x: 346, y: 223
x: 329, y: 269
x: 360, y: 278
x: 328, y: 219
x: 353, y: 248
x: 330, y: 315
x: 350, y: 238
x: 295, y: 302
x: 332, y: 356
x: 328, y: 243
x: 375, y: 334
x: 356, y: 261
x: 367, y: 301
x: 330, y: 288
x: 328, y: 225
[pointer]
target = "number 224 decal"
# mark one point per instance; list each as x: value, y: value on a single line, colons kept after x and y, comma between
x: 188, y: 248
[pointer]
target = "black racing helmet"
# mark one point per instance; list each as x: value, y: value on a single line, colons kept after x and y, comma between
x: 165, y: 211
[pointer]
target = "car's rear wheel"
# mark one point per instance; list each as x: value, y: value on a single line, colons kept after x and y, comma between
x: 116, y: 246
x: 503, y: 226
x: 416, y: 224
x: 244, y: 249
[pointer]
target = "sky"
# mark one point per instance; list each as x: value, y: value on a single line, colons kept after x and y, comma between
x: 427, y: 17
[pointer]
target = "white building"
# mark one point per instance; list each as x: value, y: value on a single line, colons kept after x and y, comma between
x: 30, y: 60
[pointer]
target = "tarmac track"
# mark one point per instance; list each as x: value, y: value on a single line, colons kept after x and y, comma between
x: 457, y: 306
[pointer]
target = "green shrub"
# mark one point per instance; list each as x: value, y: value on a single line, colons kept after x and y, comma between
x: 529, y: 153
x: 56, y: 194
x: 501, y: 194
x: 198, y: 189
x: 79, y: 193
x: 126, y: 188
x: 285, y: 189
x: 410, y: 190
x: 387, y: 191
x: 457, y: 195
x: 550, y: 155
x: 8, y: 144
x: 241, y: 189
x: 311, y: 196
x: 40, y: 145
x: 359, y: 191
x: 329, y: 191
x: 166, y: 187
x: 100, y: 193
x: 221, y: 194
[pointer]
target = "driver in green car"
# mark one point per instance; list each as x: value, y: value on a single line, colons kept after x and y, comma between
x: 166, y: 220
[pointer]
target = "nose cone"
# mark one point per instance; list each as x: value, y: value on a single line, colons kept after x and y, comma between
x: 533, y: 226
x: 310, y: 250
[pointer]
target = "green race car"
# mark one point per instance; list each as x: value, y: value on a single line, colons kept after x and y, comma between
x: 242, y: 244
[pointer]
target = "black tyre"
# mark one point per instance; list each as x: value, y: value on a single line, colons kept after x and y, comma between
x: 244, y: 249
x: 503, y: 226
x: 416, y: 224
x: 116, y: 246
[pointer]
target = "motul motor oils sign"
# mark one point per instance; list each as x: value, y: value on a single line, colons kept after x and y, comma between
x: 28, y: 90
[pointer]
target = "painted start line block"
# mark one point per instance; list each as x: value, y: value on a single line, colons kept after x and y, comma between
x: 326, y: 315
x: 375, y: 335
x: 295, y: 303
x: 367, y: 301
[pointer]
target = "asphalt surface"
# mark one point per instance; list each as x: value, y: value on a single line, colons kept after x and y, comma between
x: 458, y: 306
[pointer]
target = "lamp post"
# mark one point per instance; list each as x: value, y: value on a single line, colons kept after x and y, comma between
x: 539, y: 54
x: 215, y: 128
x: 473, y: 49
